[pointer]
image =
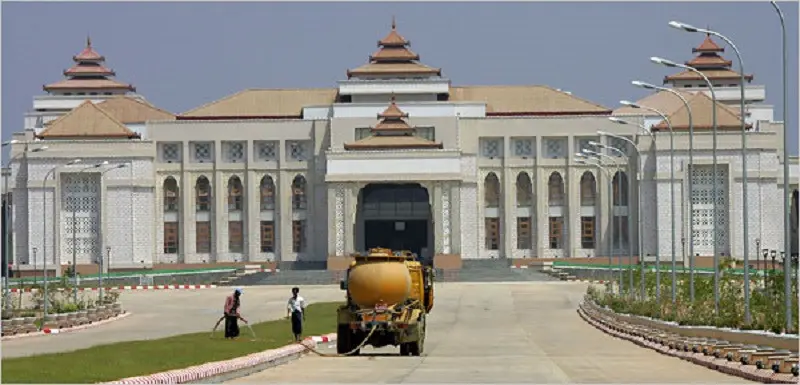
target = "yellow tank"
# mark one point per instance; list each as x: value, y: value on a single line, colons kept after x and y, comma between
x: 370, y: 283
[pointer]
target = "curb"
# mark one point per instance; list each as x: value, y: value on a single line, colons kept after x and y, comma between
x: 234, y: 368
x: 127, y: 288
x: 48, y: 331
x: 748, y: 372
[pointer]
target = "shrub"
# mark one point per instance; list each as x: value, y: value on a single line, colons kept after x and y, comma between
x: 766, y: 299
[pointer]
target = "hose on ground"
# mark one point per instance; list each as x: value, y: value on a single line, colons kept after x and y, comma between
x: 361, y: 345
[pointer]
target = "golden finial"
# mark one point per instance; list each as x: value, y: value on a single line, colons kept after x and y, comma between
x: 88, y: 41
x: 394, y: 24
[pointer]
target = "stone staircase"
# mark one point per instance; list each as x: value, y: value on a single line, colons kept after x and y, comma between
x: 484, y: 270
x: 491, y: 270
x: 243, y: 277
x: 302, y: 278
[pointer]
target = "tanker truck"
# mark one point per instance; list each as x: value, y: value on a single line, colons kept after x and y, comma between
x: 389, y: 295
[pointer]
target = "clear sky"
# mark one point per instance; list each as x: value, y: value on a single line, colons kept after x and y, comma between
x: 182, y: 55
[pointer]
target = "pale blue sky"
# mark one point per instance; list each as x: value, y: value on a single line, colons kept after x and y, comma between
x: 182, y: 55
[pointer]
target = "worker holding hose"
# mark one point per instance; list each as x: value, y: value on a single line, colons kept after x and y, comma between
x: 232, y: 316
x: 296, y: 312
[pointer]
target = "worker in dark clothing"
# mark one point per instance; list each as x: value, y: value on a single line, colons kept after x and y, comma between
x: 295, y: 310
x: 232, y: 316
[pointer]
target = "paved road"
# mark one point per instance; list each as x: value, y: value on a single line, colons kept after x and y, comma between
x: 163, y: 313
x: 509, y: 333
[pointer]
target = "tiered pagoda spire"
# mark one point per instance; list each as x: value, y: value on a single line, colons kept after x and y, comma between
x: 89, y: 75
x: 392, y: 132
x: 394, y: 58
x: 710, y: 63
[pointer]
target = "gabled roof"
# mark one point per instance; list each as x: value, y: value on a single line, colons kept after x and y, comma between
x: 526, y: 100
x: 663, y: 101
x: 128, y: 110
x: 87, y: 121
x: 263, y: 103
x: 701, y: 107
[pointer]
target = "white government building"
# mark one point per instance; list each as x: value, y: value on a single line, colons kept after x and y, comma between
x: 395, y: 156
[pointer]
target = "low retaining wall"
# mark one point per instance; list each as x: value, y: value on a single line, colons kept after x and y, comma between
x: 721, y: 355
x: 172, y: 279
x: 220, y: 371
x: 747, y: 337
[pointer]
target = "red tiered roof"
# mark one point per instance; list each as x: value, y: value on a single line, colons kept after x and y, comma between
x: 708, y: 45
x: 710, y: 63
x: 88, y: 73
x: 394, y: 58
x: 392, y: 132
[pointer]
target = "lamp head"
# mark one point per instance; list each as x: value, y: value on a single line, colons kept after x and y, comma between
x: 13, y: 141
x: 662, y: 61
x: 644, y: 85
x: 629, y: 104
x: 121, y: 165
x: 593, y: 143
x: 101, y: 164
x: 580, y: 155
x: 40, y: 149
x: 615, y: 120
x: 74, y: 161
x: 683, y: 26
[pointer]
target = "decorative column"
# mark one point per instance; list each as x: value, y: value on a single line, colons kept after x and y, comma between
x: 446, y: 190
x: 339, y: 222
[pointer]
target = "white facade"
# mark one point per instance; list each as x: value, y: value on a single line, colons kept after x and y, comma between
x: 293, y: 191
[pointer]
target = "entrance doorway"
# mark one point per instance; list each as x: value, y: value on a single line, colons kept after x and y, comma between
x: 395, y: 216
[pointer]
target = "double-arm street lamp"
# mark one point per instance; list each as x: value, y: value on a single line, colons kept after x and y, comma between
x: 630, y: 186
x: 742, y: 114
x: 639, y: 178
x: 102, y: 233
x: 715, y: 178
x: 75, y: 231
x: 618, y: 233
x: 649, y: 86
x: 44, y: 227
x: 582, y: 158
x: 8, y: 219
x: 671, y: 195
x: 787, y: 196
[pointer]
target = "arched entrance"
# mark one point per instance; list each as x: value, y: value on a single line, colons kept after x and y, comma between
x: 396, y: 216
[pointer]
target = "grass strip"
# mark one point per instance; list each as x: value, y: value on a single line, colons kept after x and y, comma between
x: 136, y: 358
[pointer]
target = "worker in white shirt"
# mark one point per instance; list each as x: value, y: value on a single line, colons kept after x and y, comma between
x: 296, y: 312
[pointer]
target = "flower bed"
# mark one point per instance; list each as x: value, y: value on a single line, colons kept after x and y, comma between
x: 64, y: 310
x: 766, y: 300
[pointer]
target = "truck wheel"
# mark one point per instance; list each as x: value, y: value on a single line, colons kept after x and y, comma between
x: 343, y: 338
x: 404, y: 350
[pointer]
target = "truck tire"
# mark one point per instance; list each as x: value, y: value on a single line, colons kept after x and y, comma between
x: 404, y: 349
x: 343, y: 337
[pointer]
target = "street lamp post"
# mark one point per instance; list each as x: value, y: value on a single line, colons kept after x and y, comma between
x: 787, y: 196
x: 630, y: 186
x: 690, y: 179
x: 8, y: 219
x: 671, y: 191
x: 75, y: 232
x: 618, y: 233
x: 44, y: 228
x: 638, y: 186
x: 714, y: 179
x: 102, y: 233
x: 584, y: 159
x: 742, y: 114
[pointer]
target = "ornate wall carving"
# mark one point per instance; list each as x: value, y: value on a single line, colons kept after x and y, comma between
x: 339, y: 221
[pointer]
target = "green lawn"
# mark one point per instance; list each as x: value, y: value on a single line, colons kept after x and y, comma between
x: 135, y: 358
